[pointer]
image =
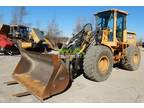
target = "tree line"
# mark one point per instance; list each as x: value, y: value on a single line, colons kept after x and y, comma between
x: 19, y: 13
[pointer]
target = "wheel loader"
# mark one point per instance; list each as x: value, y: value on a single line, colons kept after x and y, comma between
x: 32, y: 39
x: 90, y: 52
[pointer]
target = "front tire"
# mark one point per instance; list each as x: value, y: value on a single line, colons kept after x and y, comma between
x: 98, y: 63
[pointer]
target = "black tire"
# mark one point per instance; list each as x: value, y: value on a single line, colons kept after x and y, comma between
x: 128, y: 62
x: 8, y: 52
x: 91, y: 61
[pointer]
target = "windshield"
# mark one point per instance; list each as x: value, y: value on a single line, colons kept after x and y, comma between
x: 102, y: 19
x: 23, y: 32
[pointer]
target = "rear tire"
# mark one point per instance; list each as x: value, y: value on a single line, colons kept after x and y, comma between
x: 132, y: 59
x: 98, y: 63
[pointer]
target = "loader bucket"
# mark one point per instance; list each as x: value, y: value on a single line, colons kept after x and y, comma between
x: 43, y: 75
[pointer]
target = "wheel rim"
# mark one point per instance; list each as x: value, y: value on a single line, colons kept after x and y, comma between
x: 103, y: 65
x: 136, y: 59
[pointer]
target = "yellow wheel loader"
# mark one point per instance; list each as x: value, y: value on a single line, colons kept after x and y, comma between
x: 91, y: 52
x: 30, y: 39
x: 37, y: 42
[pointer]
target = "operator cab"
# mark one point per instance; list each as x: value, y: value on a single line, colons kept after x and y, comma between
x: 19, y: 31
x: 114, y: 22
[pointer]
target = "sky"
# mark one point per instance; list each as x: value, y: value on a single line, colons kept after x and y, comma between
x: 66, y: 16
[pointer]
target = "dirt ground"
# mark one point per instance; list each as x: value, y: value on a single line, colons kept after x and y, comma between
x: 122, y: 86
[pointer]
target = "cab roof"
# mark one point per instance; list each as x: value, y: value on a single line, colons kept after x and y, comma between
x: 113, y: 10
x: 15, y: 25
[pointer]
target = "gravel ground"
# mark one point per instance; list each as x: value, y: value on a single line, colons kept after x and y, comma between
x: 122, y: 86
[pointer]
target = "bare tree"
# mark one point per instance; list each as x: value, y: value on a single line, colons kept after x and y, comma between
x: 79, y: 24
x: 18, y: 15
x: 22, y: 14
x: 14, y: 17
x: 53, y: 29
x: 53, y: 32
x: 92, y: 20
